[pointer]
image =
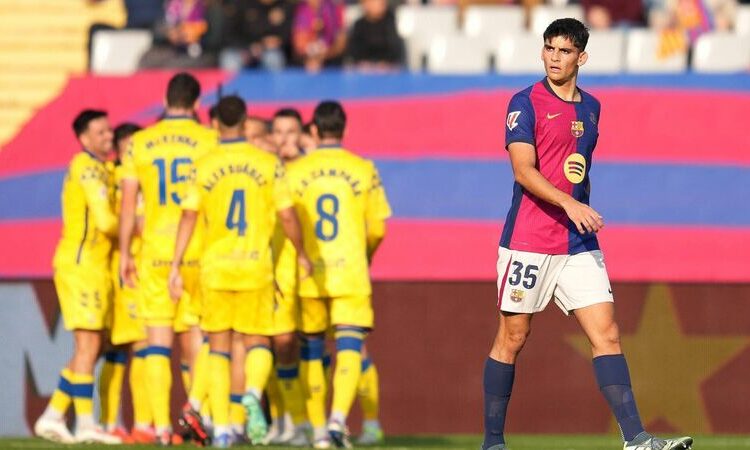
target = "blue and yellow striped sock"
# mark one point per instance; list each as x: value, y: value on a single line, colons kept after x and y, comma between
x: 368, y: 390
x: 62, y: 397
x: 218, y: 366
x: 110, y: 387
x: 348, y: 368
x: 159, y: 372
x: 312, y: 376
x: 291, y: 392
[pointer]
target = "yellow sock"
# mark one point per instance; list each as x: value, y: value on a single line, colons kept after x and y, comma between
x: 83, y: 393
x: 276, y: 405
x: 258, y: 365
x: 348, y: 369
x: 110, y: 387
x: 236, y: 412
x: 185, y: 375
x: 159, y: 385
x: 199, y: 391
x: 142, y: 416
x: 291, y: 392
x: 313, y: 379
x: 218, y: 364
x: 62, y: 397
x: 368, y: 390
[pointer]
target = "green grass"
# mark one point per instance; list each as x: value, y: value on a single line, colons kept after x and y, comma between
x: 517, y: 442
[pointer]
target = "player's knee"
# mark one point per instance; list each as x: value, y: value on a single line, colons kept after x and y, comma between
x: 285, y: 348
x: 514, y: 339
x: 607, y: 340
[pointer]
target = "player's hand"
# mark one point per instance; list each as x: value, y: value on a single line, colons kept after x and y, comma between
x: 585, y: 218
x: 175, y: 284
x: 305, y: 266
x: 128, y: 273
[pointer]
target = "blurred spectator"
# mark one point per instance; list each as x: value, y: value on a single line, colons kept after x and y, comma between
x: 318, y: 34
x: 258, y: 34
x: 374, y: 43
x: 180, y: 40
x: 606, y: 14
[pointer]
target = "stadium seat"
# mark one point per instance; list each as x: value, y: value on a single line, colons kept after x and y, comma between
x: 543, y: 15
x: 606, y: 51
x: 519, y: 53
x: 351, y: 14
x: 418, y: 25
x: 721, y: 52
x: 489, y: 20
x: 642, y: 54
x: 117, y: 52
x: 458, y: 54
x: 742, y: 21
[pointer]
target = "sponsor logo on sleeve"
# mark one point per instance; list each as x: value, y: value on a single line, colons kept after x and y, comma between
x: 512, y: 121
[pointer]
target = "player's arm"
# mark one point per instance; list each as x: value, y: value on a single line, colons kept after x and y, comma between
x: 293, y: 231
x: 375, y: 235
x: 97, y: 200
x: 376, y: 212
x: 128, y: 221
x: 184, y: 233
x: 523, y: 160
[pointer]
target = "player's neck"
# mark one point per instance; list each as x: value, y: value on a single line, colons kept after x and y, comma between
x: 566, y: 90
x: 178, y: 112
x: 329, y: 142
x: 231, y: 134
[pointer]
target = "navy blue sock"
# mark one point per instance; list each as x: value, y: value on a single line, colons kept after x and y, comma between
x: 498, y: 384
x: 614, y: 381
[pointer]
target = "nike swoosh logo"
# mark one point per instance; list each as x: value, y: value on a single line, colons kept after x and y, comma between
x: 552, y: 116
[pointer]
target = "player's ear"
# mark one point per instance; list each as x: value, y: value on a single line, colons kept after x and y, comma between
x: 314, y: 132
x: 582, y: 58
x: 197, y: 105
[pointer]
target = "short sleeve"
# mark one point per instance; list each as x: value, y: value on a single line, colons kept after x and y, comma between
x: 377, y: 202
x: 519, y: 123
x: 282, y: 199
x: 193, y: 194
x: 127, y: 165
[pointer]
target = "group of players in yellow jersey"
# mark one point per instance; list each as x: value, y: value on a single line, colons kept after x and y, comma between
x: 248, y: 259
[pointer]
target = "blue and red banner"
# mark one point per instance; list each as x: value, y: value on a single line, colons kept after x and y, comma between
x: 671, y: 172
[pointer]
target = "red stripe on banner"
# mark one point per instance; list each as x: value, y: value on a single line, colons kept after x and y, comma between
x: 28, y: 247
x: 428, y: 250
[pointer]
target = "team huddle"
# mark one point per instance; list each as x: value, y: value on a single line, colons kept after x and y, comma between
x: 242, y: 249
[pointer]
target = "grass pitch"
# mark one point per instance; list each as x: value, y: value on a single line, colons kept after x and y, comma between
x: 516, y: 442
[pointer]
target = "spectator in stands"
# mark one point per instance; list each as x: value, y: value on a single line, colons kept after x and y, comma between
x: 258, y: 34
x: 183, y: 40
x: 318, y: 34
x: 605, y: 14
x: 374, y: 43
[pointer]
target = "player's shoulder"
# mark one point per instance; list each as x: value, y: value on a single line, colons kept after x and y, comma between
x: 589, y: 99
x: 523, y: 95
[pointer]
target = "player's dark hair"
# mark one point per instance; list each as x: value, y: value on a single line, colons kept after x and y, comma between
x: 212, y: 112
x: 82, y: 120
x: 125, y: 130
x: 330, y: 119
x: 568, y: 28
x: 231, y: 111
x: 290, y: 113
x: 182, y: 91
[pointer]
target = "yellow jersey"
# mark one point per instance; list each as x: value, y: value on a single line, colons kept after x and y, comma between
x: 89, y: 223
x: 161, y: 158
x: 285, y: 270
x: 336, y: 194
x: 238, y: 189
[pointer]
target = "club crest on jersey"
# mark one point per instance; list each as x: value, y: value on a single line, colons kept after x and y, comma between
x: 516, y: 295
x: 575, y: 168
x: 576, y: 128
x: 512, y: 118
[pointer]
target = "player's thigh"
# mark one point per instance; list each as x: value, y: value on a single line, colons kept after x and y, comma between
x: 254, y: 312
x: 84, y: 298
x: 190, y: 305
x: 526, y: 280
x: 285, y: 313
x: 583, y: 282
x: 314, y: 315
x: 157, y: 306
x: 218, y: 310
x: 353, y: 310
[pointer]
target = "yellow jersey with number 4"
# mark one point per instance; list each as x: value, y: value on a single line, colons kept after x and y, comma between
x: 336, y: 194
x: 237, y: 190
x: 161, y: 158
x: 89, y: 222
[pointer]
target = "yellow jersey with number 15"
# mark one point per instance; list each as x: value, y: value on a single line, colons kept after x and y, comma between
x: 161, y: 158
x: 237, y: 190
x: 336, y: 194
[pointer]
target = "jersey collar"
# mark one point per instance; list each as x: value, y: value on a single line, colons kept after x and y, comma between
x: 330, y: 147
x: 233, y: 140
x: 545, y: 82
x: 91, y: 154
x: 178, y: 117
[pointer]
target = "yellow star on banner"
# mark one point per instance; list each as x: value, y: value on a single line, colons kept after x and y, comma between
x: 668, y: 367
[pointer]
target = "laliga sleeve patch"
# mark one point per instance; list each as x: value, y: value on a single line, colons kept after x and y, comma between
x: 512, y: 121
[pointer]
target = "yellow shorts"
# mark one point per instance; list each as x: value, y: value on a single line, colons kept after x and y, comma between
x: 127, y: 324
x: 157, y: 306
x: 247, y: 312
x: 84, y: 296
x: 319, y: 314
x: 285, y: 313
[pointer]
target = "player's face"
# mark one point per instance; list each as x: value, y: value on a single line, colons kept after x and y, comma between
x: 561, y: 59
x: 98, y: 137
x: 286, y: 134
x: 121, y: 146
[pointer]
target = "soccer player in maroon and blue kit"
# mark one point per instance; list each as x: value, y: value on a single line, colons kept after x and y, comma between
x: 549, y: 247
